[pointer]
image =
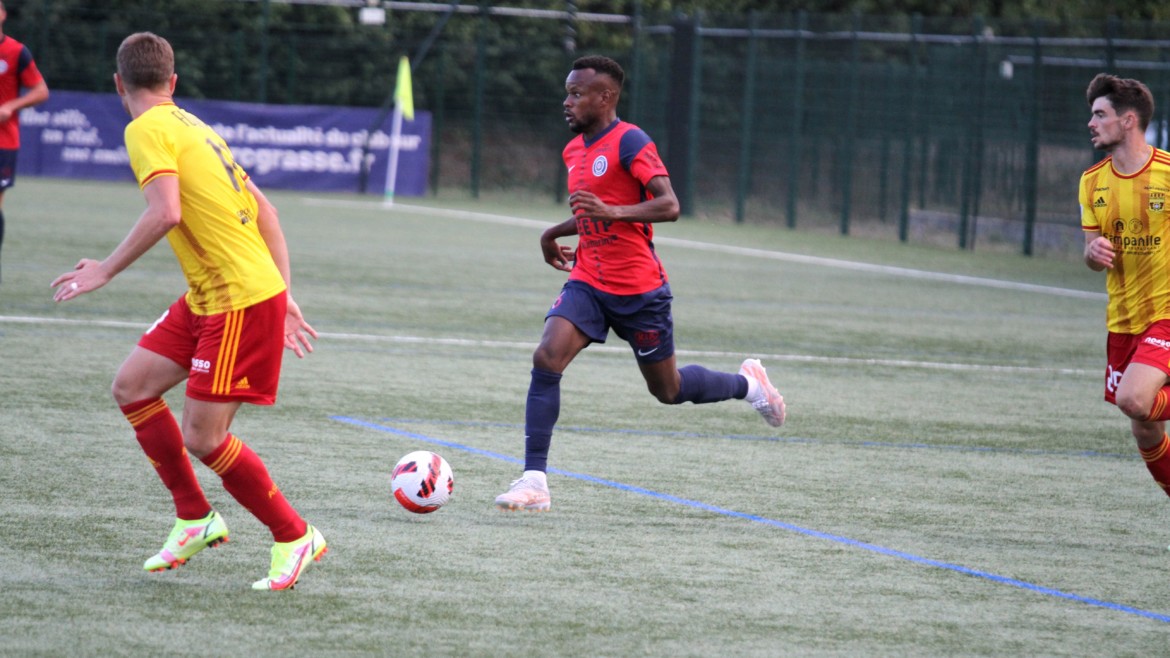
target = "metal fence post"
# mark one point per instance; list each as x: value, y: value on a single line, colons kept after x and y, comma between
x: 262, y: 87
x: 636, y: 68
x: 794, y: 148
x: 682, y: 115
x: 437, y: 123
x: 914, y: 120
x: 850, y: 140
x: 477, y: 113
x: 1032, y: 166
x: 693, y: 120
x: 972, y: 163
x: 745, y: 132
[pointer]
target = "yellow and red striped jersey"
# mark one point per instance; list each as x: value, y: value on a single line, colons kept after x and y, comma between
x: 1132, y: 212
x: 218, y: 243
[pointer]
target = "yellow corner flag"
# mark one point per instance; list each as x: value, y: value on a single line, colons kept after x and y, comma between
x: 403, y: 94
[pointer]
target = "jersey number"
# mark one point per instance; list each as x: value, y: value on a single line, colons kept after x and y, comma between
x: 228, y: 165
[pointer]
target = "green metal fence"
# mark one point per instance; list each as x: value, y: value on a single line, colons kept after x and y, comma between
x: 895, y: 125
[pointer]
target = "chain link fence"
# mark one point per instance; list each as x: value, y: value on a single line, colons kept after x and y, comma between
x: 964, y: 132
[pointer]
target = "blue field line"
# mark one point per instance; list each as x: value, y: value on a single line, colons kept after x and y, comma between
x: 780, y: 439
x: 846, y: 541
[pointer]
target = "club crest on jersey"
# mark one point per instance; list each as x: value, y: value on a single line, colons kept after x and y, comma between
x: 600, y: 166
x: 1157, y: 202
x: 3, y: 67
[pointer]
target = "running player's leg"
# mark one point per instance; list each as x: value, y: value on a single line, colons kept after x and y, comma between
x: 1142, y: 394
x: 138, y: 387
x: 159, y: 363
x: 572, y: 323
x: 647, y: 324
x: 238, y: 360
x: 155, y: 366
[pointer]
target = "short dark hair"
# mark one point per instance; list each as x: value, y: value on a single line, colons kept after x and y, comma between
x: 1125, y: 94
x: 145, y: 61
x: 602, y: 64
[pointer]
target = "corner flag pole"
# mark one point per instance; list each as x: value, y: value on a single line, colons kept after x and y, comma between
x: 403, y: 107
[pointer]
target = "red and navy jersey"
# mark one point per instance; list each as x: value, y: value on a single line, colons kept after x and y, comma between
x: 17, y: 71
x: 615, y: 257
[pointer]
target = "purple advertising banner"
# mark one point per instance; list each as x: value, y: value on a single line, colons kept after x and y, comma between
x: 79, y: 135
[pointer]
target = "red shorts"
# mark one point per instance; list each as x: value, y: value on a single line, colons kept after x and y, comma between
x: 1151, y: 347
x: 232, y: 356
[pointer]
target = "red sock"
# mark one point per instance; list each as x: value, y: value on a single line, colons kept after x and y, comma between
x: 1160, y: 410
x: 246, y: 479
x: 1158, y: 461
x: 162, y: 441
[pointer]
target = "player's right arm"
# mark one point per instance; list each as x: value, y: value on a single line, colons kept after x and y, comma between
x: 163, y: 212
x: 296, y: 330
x: 557, y: 255
x: 1098, y: 251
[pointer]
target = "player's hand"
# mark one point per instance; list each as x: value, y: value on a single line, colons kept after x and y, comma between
x: 557, y: 255
x: 1100, y: 252
x: 297, y: 331
x: 587, y: 204
x: 88, y: 275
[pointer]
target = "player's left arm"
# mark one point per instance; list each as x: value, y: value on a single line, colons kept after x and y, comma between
x: 163, y: 212
x: 662, y: 206
x: 36, y: 89
x: 34, y: 96
x: 296, y: 330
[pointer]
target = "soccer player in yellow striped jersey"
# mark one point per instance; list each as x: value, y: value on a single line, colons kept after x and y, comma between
x: 1126, y: 221
x: 225, y: 336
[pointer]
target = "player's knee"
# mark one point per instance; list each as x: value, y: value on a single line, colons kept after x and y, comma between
x: 124, y: 391
x: 1133, y: 407
x: 664, y: 393
x: 544, y: 358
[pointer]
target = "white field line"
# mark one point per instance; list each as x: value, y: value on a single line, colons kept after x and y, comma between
x: 607, y: 349
x: 737, y: 251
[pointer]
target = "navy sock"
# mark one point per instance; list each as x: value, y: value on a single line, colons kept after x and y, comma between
x: 540, y: 415
x: 700, y: 385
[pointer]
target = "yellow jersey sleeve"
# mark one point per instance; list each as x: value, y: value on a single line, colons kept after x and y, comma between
x: 217, y: 243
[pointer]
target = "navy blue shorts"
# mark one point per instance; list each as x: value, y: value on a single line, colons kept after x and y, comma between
x: 644, y: 321
x: 7, y: 168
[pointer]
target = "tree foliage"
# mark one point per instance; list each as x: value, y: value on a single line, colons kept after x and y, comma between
x: 274, y: 51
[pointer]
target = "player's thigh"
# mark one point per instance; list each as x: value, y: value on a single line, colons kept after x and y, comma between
x: 560, y: 343
x: 145, y: 375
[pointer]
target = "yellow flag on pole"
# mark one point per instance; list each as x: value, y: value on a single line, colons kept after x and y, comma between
x: 403, y: 92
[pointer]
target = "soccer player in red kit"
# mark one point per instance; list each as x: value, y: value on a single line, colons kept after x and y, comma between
x: 618, y: 190
x: 17, y: 71
x: 1126, y: 220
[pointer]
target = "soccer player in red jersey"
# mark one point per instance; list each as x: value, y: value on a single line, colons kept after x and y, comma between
x: 1125, y: 215
x: 224, y: 337
x: 17, y: 71
x: 618, y: 190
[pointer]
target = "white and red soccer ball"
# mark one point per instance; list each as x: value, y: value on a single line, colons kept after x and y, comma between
x: 422, y: 482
